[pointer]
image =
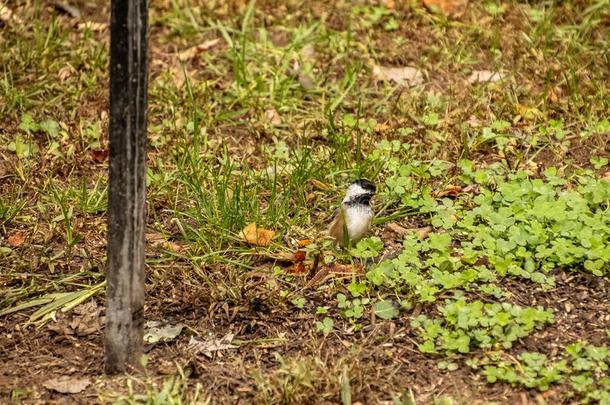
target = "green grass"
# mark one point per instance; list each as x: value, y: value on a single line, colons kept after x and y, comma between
x: 268, y: 125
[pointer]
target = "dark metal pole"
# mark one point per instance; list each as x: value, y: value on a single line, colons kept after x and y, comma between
x: 127, y: 193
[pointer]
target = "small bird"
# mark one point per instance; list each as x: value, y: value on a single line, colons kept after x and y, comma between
x: 354, y: 218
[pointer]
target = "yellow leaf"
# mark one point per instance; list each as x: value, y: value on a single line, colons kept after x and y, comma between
x: 257, y: 236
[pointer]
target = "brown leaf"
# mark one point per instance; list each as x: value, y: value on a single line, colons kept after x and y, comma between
x: 84, y: 320
x: 390, y: 5
x: 606, y: 176
x: 257, y: 236
x: 197, y: 49
x: 333, y: 270
x: 397, y: 229
x: 99, y: 155
x: 65, y: 72
x: 16, y: 239
x: 471, y: 189
x: 382, y: 128
x: 303, y: 242
x: 299, y: 255
x: 211, y: 345
x: 449, y: 191
x: 273, y: 117
x: 298, y: 268
x: 6, y: 15
x: 66, y: 384
x: 404, y: 76
x: 179, y: 76
x: 93, y: 26
x: 450, y: 8
x: 422, y: 233
x: 157, y: 239
x: 552, y: 97
x: 320, y: 185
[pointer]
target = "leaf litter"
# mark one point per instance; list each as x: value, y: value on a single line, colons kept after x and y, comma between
x: 212, y: 344
x: 67, y: 384
x: 407, y: 76
x: 155, y: 332
x: 257, y: 236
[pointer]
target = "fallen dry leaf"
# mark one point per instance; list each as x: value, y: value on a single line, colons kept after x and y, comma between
x: 404, y: 76
x: 485, y: 76
x: 6, y: 15
x: 390, y: 5
x: 99, y: 155
x: 422, y: 233
x: 179, y: 75
x: 157, y: 239
x: 156, y: 333
x: 303, y: 242
x: 257, y: 236
x: 552, y: 96
x: 212, y: 344
x: 381, y: 128
x: 449, y: 191
x: 333, y: 270
x: 65, y: 72
x: 450, y: 8
x: 299, y: 255
x: 197, y: 49
x: 16, y: 239
x: 397, y: 229
x: 92, y: 26
x: 471, y: 189
x: 297, y: 268
x: 84, y: 320
x: 320, y: 185
x: 273, y: 117
x: 66, y: 384
x: 606, y: 176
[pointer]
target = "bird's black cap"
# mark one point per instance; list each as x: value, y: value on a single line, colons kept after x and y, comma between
x: 366, y: 185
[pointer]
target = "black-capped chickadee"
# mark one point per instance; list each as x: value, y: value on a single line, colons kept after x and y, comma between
x: 354, y: 218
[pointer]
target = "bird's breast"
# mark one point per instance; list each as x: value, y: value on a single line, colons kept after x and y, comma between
x: 358, y: 221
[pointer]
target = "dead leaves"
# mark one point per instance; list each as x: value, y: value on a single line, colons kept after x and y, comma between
x: 66, y: 384
x: 273, y: 117
x: 256, y: 236
x: 405, y: 76
x: 397, y: 229
x: 92, y: 26
x: 449, y: 191
x: 159, y: 240
x: 16, y: 239
x: 156, y: 333
x: 84, y: 321
x: 453, y: 191
x: 196, y: 50
x: 211, y: 345
x: 449, y: 8
x: 7, y: 16
x: 334, y: 270
x: 99, y: 155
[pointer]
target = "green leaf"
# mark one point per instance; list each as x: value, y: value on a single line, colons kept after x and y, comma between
x: 385, y: 309
x: 326, y: 326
